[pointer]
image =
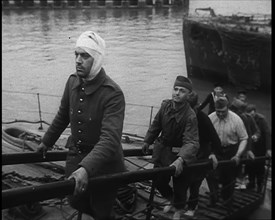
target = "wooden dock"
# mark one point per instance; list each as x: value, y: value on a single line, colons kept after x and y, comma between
x: 89, y: 4
x: 244, y: 203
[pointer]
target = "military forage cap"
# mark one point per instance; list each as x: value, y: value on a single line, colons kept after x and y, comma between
x: 183, y: 82
x: 221, y: 102
x: 250, y: 108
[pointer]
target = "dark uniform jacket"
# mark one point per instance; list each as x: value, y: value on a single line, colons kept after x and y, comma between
x: 95, y: 111
x: 177, y: 129
x: 264, y: 142
x: 209, y: 139
x: 210, y: 101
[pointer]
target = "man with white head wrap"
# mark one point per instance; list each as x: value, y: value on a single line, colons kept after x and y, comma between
x: 94, y: 45
x: 94, y: 105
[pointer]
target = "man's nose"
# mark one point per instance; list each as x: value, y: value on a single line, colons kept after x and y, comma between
x: 78, y: 59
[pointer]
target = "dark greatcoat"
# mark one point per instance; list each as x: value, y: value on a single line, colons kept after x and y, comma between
x: 95, y: 111
x: 177, y: 129
x: 175, y: 133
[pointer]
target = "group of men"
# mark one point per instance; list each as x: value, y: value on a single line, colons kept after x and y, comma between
x: 182, y: 134
x: 94, y: 106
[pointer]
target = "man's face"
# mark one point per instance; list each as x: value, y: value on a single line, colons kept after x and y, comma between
x: 222, y: 112
x: 242, y: 97
x: 84, y: 62
x: 179, y: 94
x: 218, y: 89
x: 252, y: 113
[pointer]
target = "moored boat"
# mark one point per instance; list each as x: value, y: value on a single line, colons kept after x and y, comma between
x: 21, y: 138
x: 236, y: 49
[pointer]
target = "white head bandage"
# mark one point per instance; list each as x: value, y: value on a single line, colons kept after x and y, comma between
x: 94, y: 45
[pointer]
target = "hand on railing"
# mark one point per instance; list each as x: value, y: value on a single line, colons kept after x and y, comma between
x: 237, y: 159
x: 269, y: 153
x: 178, y: 163
x: 145, y: 148
x: 250, y: 155
x: 81, y: 180
x: 214, y: 160
x: 42, y: 148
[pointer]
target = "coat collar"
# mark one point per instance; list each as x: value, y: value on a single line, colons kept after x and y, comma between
x: 180, y: 112
x: 93, y: 85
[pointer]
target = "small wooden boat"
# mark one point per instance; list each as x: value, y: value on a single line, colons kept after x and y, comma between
x: 21, y: 138
x: 236, y: 49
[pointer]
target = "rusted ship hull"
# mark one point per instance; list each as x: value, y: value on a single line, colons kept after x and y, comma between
x: 234, y: 51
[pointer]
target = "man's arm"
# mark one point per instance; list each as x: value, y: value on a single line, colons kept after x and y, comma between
x: 155, y: 128
x: 205, y: 102
x: 241, y: 148
x: 243, y: 138
x: 190, y: 140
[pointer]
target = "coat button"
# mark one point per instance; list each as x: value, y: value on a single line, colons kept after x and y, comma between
x: 79, y: 131
x: 79, y: 141
x: 79, y: 111
x: 82, y: 89
x: 79, y: 122
x: 81, y: 100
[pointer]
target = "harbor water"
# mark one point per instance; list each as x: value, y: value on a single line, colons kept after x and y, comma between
x: 144, y: 55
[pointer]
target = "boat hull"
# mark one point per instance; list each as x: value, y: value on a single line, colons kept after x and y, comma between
x: 21, y: 138
x: 240, y: 57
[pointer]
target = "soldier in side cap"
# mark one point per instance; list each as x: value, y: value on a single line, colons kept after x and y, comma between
x: 232, y: 133
x: 93, y: 104
x: 174, y: 132
x: 261, y: 147
x: 238, y: 106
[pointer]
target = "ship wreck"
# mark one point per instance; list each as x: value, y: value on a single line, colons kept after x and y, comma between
x: 236, y: 49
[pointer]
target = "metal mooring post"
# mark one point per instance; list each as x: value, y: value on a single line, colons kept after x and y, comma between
x: 151, y: 115
x: 39, y: 109
x: 150, y: 202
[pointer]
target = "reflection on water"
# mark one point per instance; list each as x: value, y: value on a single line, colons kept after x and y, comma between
x: 144, y: 49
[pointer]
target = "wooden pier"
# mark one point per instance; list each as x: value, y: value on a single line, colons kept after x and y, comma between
x: 89, y: 4
x: 25, y: 187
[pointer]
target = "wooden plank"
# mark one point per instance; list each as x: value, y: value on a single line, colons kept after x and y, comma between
x: 240, y: 202
x: 210, y: 215
x: 213, y: 209
x: 243, y: 199
x: 249, y: 194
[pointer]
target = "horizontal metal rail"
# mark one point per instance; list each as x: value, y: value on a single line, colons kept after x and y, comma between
x: 23, y: 195
x: 33, y: 157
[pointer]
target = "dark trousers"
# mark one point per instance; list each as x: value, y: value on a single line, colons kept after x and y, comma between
x: 177, y: 193
x: 97, y: 202
x: 194, y: 188
x: 225, y: 175
x: 256, y: 172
